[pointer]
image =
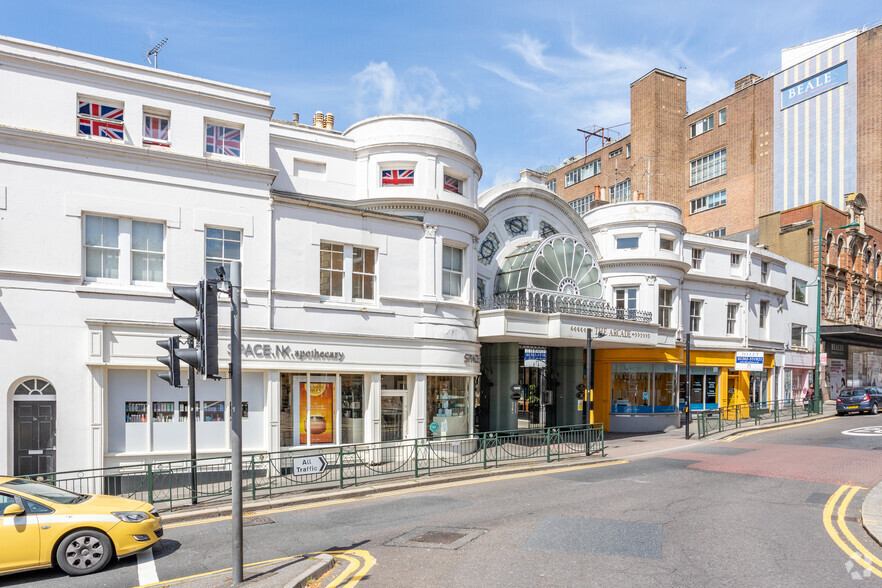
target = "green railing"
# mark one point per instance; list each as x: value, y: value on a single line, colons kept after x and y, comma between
x: 169, y: 484
x: 736, y: 416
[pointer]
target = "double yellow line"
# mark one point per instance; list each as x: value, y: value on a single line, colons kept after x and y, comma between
x: 842, y: 536
x: 359, y: 564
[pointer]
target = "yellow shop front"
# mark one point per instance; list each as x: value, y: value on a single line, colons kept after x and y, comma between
x: 645, y: 390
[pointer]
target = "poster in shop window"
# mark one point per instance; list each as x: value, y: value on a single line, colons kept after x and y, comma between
x: 320, y: 418
x: 836, y: 369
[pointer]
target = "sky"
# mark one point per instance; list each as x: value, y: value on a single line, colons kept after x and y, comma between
x: 521, y: 76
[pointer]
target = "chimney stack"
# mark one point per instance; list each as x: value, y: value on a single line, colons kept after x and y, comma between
x: 296, y: 117
x: 321, y: 120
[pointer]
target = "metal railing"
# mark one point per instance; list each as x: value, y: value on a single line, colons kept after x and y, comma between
x: 552, y: 302
x: 167, y: 484
x: 736, y: 416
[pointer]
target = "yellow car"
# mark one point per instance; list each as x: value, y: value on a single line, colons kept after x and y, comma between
x: 42, y: 526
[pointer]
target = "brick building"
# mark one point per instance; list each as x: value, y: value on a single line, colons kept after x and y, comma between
x: 851, y: 284
x: 772, y: 144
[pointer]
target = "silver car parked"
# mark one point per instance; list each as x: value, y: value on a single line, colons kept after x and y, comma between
x: 867, y: 399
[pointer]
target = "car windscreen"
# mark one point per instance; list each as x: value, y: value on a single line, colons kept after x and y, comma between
x: 853, y: 392
x: 44, y: 491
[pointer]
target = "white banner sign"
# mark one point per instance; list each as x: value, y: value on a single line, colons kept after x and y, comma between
x: 749, y: 361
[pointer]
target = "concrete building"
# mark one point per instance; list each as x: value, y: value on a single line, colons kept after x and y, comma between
x: 633, y: 275
x: 382, y: 295
x: 809, y: 132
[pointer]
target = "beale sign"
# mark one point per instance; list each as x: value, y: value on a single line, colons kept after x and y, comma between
x: 815, y: 85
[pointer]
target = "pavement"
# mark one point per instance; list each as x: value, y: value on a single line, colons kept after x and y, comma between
x: 296, y: 572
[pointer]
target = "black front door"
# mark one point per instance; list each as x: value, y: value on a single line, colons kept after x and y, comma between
x: 34, y: 437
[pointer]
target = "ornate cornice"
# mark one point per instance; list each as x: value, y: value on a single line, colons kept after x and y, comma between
x: 137, y: 155
x: 413, y: 204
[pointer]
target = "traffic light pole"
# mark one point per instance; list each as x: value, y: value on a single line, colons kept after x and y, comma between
x: 191, y: 401
x: 236, y: 414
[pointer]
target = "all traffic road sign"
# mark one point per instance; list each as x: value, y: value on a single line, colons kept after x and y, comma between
x: 309, y: 464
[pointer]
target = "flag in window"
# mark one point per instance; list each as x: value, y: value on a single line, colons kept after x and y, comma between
x: 452, y: 184
x: 155, y: 131
x: 100, y: 120
x: 223, y: 140
x: 398, y: 177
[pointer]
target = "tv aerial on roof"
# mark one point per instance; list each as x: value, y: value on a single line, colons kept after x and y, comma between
x: 154, y: 52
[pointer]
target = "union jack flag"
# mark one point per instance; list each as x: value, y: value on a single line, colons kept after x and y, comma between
x: 100, y: 120
x: 452, y: 185
x: 398, y: 177
x: 156, y: 131
x: 223, y: 140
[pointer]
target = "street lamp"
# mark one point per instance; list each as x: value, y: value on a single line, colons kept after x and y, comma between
x: 817, y: 387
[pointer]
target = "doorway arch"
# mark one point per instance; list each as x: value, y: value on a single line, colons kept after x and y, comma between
x: 33, y: 423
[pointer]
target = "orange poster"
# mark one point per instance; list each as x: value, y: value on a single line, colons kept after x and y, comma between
x: 321, y: 412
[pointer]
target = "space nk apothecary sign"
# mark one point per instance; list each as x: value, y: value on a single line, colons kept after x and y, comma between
x: 815, y: 85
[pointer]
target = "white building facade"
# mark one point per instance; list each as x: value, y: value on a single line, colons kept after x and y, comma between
x: 366, y: 271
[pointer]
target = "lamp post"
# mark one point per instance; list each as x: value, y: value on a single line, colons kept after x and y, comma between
x: 688, y: 381
x: 817, y: 395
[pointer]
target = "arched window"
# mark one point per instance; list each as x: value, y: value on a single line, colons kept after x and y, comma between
x: 840, y: 245
x: 34, y: 387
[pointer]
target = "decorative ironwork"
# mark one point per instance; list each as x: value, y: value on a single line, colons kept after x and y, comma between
x: 545, y: 302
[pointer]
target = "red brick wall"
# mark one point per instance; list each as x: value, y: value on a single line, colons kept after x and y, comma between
x: 747, y: 137
x: 869, y: 121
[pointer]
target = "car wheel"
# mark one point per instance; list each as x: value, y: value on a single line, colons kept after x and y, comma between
x: 84, y: 552
x: 874, y: 409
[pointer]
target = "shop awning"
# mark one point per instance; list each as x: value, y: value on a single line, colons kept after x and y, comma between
x: 852, y: 335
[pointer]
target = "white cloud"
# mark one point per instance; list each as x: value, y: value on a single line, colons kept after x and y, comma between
x: 508, y: 76
x: 530, y: 48
x: 588, y: 83
x: 379, y: 90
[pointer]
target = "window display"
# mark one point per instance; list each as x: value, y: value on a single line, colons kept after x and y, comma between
x: 447, y: 403
x: 214, y: 411
x: 136, y: 412
x: 317, y: 409
x: 288, y: 406
x: 183, y: 408
x: 703, y: 388
x: 643, y: 388
x: 163, y: 412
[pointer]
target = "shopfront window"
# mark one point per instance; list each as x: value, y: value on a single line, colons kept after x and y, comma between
x: 352, y: 400
x: 759, y: 387
x: 664, y: 388
x: 703, y: 387
x: 317, y: 409
x: 643, y: 388
x: 448, y: 405
x: 147, y: 416
x: 631, y: 387
x: 289, y: 407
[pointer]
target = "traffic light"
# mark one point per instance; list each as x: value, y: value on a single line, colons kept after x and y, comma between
x: 202, y: 327
x: 171, y: 359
